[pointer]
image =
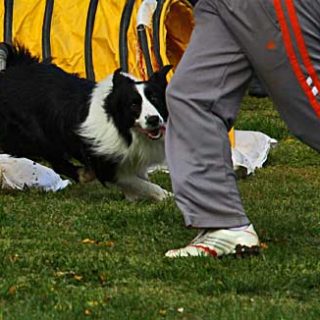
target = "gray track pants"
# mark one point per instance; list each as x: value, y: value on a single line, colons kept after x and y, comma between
x: 204, y: 95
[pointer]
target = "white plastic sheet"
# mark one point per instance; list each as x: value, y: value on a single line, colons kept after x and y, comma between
x: 21, y: 173
x: 251, y: 149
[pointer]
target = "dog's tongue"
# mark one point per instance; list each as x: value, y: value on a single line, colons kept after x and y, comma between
x: 155, y: 134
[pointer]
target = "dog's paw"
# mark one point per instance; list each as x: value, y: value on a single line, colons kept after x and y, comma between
x: 168, y: 194
x: 160, y: 195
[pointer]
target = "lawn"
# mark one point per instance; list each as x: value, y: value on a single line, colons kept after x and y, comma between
x: 86, y: 253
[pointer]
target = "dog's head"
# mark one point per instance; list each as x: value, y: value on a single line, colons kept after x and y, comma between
x: 139, y: 105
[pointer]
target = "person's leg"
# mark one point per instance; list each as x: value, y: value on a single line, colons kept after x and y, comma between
x: 282, y: 44
x: 203, y: 98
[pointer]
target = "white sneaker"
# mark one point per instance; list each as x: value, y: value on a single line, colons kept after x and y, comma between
x: 219, y: 243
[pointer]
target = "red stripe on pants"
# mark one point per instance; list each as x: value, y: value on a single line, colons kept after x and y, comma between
x: 293, y: 57
x: 301, y: 43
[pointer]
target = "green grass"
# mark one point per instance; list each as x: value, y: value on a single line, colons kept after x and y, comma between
x: 47, y: 271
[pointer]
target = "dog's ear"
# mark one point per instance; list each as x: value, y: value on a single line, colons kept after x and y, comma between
x: 119, y: 78
x: 166, y: 69
x: 160, y: 77
x: 119, y: 70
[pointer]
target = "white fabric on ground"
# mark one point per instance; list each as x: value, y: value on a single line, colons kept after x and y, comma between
x: 251, y: 149
x: 20, y: 173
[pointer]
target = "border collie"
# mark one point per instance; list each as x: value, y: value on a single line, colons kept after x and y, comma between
x: 113, y: 128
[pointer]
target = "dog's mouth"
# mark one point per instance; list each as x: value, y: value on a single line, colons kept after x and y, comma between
x: 152, y: 133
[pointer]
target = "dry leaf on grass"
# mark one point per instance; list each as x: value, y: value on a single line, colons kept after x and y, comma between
x: 87, y: 312
x: 263, y: 246
x: 70, y: 274
x: 98, y: 243
x: 12, y: 290
x: 88, y: 241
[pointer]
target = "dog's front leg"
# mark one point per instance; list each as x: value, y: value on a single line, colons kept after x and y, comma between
x: 135, y: 188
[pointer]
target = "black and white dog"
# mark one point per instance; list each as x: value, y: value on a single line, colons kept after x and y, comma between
x: 113, y: 128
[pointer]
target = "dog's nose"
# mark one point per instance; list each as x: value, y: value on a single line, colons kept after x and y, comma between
x: 153, y: 121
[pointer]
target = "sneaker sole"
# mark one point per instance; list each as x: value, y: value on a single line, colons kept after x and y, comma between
x: 245, y: 251
x: 241, y: 252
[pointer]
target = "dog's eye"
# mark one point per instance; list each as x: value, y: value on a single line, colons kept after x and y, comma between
x: 136, y: 108
x: 152, y: 99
